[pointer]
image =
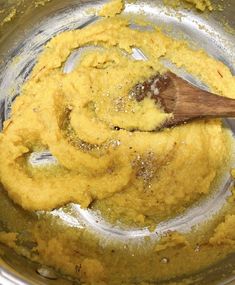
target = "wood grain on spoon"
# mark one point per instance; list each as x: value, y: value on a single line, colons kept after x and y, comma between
x: 185, y: 101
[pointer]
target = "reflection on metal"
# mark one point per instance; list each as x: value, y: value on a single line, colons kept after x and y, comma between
x: 47, y: 273
x: 44, y: 158
x: 200, y: 213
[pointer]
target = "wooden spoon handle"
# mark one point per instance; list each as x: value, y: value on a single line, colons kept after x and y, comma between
x: 191, y: 102
x: 184, y: 101
x: 200, y: 103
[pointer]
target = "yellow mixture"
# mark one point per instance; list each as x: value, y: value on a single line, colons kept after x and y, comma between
x: 110, y: 156
x: 102, y: 136
x: 200, y: 5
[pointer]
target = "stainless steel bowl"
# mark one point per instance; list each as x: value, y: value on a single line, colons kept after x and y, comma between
x: 25, y: 26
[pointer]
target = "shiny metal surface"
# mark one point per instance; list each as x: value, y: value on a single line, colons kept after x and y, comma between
x: 26, y: 35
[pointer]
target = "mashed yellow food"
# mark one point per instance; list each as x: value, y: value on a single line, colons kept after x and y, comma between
x: 201, y: 5
x: 101, y: 136
x: 112, y: 8
x: 110, y: 157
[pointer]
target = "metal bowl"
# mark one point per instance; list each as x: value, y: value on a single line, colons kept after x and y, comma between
x: 25, y: 26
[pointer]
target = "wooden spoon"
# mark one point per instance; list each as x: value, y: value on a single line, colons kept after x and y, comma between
x: 185, y: 101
